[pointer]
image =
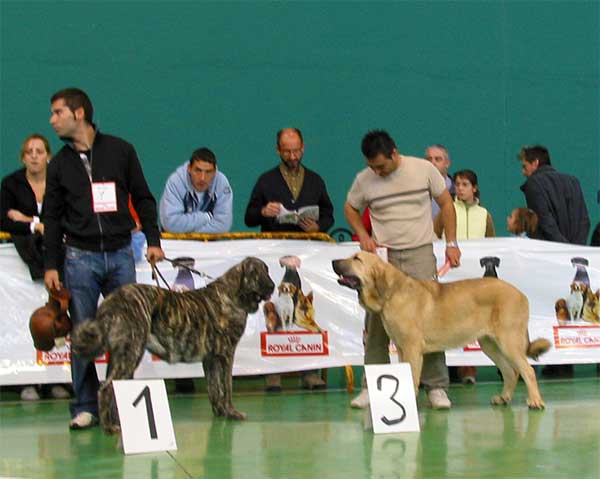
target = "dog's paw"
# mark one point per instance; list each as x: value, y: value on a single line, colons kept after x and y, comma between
x: 234, y: 414
x: 537, y: 404
x: 111, y: 429
x: 499, y: 400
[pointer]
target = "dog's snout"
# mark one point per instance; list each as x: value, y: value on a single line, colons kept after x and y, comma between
x: 335, y: 264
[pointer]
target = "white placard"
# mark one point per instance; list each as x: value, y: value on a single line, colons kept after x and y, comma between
x: 146, y: 424
x: 392, y: 398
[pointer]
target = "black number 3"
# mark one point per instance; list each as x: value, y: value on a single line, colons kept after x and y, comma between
x: 145, y: 394
x: 385, y: 420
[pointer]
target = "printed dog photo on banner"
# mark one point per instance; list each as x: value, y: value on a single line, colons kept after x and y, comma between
x: 291, y: 328
x: 582, y: 304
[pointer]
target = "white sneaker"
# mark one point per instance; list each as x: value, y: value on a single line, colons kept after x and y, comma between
x: 29, y: 393
x: 438, y: 399
x: 59, y: 392
x: 83, y: 420
x: 362, y: 400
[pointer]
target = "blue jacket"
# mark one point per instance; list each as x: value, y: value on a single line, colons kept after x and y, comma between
x: 184, y: 210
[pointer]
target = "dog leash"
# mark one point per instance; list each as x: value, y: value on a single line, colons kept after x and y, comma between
x: 157, y: 274
x: 191, y: 270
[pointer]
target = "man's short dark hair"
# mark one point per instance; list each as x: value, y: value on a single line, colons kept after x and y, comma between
x: 75, y: 98
x: 203, y: 154
x: 298, y: 132
x: 535, y: 152
x: 377, y: 142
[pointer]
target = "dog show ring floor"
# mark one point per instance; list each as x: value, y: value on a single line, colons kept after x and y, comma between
x: 301, y: 434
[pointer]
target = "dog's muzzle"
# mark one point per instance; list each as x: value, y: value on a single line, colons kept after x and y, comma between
x: 349, y: 280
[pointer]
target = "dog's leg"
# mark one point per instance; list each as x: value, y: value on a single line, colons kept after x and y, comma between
x: 509, y: 374
x: 217, y: 370
x: 516, y: 354
x: 122, y: 363
x: 414, y: 357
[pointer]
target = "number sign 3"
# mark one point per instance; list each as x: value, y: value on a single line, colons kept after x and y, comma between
x: 393, y: 402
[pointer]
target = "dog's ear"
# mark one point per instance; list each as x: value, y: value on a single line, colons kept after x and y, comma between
x: 374, y: 286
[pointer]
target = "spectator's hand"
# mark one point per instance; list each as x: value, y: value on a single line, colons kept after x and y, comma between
x: 453, y: 256
x: 309, y: 225
x: 16, y: 215
x: 271, y: 209
x: 51, y: 280
x: 155, y: 254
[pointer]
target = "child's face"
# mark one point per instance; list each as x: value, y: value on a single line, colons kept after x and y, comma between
x: 465, y: 191
x: 511, y: 222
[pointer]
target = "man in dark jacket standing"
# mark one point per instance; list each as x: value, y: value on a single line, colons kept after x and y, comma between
x: 88, y: 186
x: 556, y: 198
x: 560, y: 205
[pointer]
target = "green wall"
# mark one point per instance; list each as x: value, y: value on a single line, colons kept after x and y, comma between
x: 483, y: 78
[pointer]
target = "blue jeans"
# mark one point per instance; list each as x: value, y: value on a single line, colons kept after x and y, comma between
x: 87, y: 275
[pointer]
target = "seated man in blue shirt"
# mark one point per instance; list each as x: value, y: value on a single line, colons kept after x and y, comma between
x: 197, y: 197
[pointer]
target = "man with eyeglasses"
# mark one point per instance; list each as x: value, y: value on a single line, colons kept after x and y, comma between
x: 290, y: 186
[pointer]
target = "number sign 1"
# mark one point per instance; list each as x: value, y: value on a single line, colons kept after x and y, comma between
x: 146, y: 424
x: 392, y: 397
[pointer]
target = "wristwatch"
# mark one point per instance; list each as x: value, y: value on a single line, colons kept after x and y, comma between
x: 451, y: 244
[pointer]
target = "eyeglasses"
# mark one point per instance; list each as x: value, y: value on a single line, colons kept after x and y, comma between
x: 296, y: 152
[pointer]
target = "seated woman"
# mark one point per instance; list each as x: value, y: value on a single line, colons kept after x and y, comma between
x: 21, y: 205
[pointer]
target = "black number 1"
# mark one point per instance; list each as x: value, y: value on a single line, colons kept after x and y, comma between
x: 384, y: 419
x: 149, y: 412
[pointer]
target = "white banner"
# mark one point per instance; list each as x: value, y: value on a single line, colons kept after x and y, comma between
x: 331, y: 330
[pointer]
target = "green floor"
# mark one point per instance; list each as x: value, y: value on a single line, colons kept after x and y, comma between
x: 300, y: 434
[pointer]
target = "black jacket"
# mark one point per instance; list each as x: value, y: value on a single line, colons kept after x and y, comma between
x: 271, y: 186
x: 68, y: 202
x: 596, y: 236
x: 560, y: 205
x: 16, y: 194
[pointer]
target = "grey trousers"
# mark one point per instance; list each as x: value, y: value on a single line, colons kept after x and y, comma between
x: 420, y: 264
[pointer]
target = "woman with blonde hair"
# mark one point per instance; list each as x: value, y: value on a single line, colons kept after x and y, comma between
x: 21, y: 209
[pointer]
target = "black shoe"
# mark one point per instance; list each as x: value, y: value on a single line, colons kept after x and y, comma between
x: 558, y: 371
x: 185, y: 386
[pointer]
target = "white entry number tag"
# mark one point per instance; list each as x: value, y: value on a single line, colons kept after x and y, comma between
x: 392, y: 397
x: 104, y: 197
x: 145, y: 417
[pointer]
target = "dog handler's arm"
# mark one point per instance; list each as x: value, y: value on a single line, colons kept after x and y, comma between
x: 51, y: 280
x: 355, y: 221
x: 449, y: 221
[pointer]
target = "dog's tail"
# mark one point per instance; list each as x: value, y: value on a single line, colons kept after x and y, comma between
x: 87, y: 340
x: 538, y: 347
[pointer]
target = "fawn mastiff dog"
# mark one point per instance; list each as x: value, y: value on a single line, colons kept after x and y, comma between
x: 427, y: 316
x: 205, y: 324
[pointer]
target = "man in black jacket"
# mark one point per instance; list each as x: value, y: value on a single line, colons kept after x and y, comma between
x: 560, y: 205
x: 290, y: 186
x: 555, y: 197
x: 88, y: 185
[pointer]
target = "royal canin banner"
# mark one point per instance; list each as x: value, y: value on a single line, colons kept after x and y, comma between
x: 324, y: 326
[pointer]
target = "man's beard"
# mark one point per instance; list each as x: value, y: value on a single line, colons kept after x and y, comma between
x: 291, y: 165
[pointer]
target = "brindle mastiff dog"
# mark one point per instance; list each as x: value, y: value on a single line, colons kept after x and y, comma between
x: 427, y: 316
x: 204, y: 324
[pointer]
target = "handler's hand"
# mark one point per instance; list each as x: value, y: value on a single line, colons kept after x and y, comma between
x: 453, y: 256
x: 271, y: 209
x: 51, y: 280
x: 16, y: 215
x: 367, y: 243
x: 309, y: 225
x: 155, y: 254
